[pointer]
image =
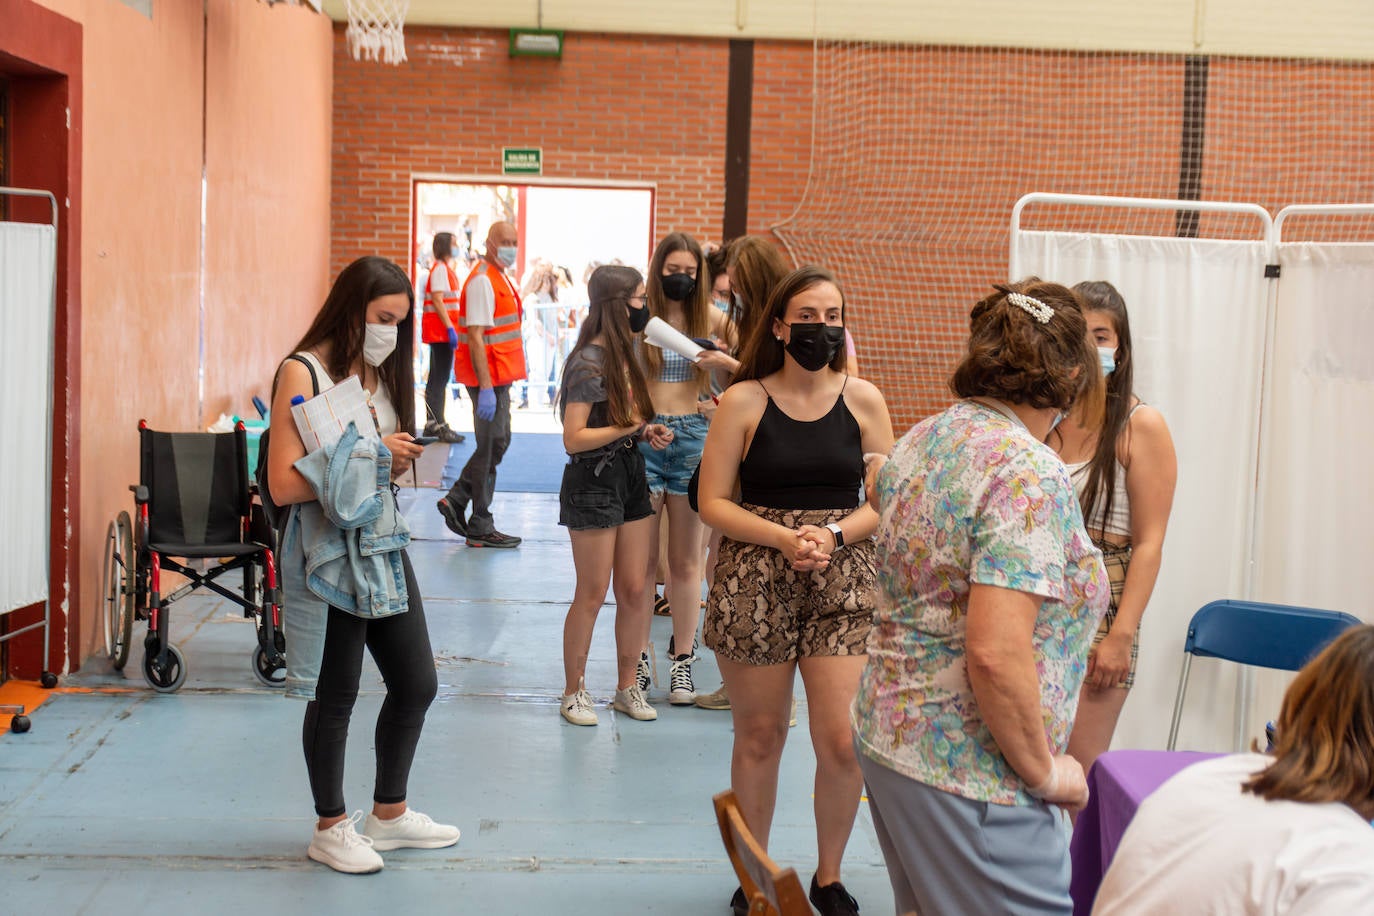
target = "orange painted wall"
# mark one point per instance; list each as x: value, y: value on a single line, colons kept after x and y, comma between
x: 267, y: 207
x: 266, y: 218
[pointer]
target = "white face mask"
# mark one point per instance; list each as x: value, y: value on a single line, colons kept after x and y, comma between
x: 378, y: 343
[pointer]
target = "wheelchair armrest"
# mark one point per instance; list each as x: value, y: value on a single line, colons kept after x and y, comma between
x: 140, y: 494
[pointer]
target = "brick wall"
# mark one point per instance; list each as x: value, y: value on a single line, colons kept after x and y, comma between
x: 919, y: 153
x: 628, y: 108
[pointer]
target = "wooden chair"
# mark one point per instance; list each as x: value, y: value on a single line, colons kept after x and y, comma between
x: 770, y: 890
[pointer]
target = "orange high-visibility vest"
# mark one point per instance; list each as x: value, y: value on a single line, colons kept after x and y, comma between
x: 505, y: 352
x: 432, y: 329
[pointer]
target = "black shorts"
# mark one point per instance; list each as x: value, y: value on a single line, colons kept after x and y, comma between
x: 606, y: 498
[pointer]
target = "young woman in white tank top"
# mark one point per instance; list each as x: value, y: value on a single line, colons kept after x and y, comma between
x: 1124, y: 470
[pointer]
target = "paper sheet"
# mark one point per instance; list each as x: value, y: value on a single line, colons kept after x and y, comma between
x: 662, y: 334
x: 323, y: 419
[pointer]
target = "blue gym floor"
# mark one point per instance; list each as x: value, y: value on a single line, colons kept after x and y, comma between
x: 121, y: 800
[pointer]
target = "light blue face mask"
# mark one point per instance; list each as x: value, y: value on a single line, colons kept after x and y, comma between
x: 1058, y: 418
x: 739, y: 305
x: 722, y: 304
x: 506, y: 254
x: 1108, y: 357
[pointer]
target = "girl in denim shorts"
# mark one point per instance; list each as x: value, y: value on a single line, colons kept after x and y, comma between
x: 679, y: 293
x: 604, y: 500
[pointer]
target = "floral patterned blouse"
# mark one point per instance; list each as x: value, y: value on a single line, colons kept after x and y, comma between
x: 969, y: 496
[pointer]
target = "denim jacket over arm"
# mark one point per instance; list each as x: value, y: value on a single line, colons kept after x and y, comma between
x: 344, y: 548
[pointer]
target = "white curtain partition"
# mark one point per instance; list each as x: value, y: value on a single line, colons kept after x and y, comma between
x: 1316, y: 489
x: 1197, y: 326
x: 27, y: 269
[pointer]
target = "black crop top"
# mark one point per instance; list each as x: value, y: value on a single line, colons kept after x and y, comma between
x: 794, y: 464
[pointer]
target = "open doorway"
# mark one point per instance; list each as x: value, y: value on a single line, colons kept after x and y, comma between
x: 565, y: 231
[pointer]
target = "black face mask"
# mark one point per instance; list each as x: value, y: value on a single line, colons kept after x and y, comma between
x: 678, y: 287
x: 814, y: 345
x: 639, y: 317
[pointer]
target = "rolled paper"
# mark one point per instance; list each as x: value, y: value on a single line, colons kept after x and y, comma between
x: 662, y: 334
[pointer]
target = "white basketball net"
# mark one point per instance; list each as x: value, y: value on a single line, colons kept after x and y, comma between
x: 375, y: 30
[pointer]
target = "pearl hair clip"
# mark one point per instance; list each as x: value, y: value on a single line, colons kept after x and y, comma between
x: 1034, y: 307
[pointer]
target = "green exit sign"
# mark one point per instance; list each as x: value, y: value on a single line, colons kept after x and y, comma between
x: 521, y: 161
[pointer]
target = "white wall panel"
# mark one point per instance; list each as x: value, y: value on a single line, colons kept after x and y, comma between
x: 1317, y: 28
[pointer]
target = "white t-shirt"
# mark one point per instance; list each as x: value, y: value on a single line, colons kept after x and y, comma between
x: 481, y: 303
x: 1200, y: 845
x: 439, y: 279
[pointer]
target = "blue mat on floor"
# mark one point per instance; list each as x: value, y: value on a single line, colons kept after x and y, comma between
x: 533, y: 463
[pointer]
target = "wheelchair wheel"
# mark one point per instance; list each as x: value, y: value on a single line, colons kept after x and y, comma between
x: 117, y: 590
x: 165, y: 678
x: 268, y: 673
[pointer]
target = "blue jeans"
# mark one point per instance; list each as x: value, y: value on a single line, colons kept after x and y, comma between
x: 670, y: 470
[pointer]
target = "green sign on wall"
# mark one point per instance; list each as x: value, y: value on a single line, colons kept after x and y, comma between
x: 521, y: 161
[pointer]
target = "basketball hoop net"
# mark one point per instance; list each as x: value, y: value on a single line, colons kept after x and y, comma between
x: 375, y: 30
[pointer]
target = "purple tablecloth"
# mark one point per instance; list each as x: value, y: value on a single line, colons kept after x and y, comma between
x: 1118, y: 783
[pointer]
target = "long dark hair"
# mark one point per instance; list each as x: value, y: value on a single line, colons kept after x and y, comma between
x: 341, y: 324
x: 608, y: 317
x: 1101, y: 296
x: 763, y: 353
x: 696, y: 311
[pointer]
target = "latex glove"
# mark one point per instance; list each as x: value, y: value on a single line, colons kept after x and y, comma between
x: 1066, y: 786
x: 486, y: 404
x: 453, y: 338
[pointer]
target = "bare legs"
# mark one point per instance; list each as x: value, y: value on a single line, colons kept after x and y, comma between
x: 685, y: 536
x: 831, y: 683
x: 597, y: 555
x: 761, y: 700
x: 1099, y: 708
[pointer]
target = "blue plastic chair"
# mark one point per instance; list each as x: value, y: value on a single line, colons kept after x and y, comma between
x: 1251, y: 633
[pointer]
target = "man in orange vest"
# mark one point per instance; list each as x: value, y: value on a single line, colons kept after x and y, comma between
x: 490, y: 357
x: 437, y: 328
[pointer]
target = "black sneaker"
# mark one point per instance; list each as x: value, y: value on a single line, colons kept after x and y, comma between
x: 450, y: 435
x: 493, y: 539
x: 672, y: 647
x: 738, y: 905
x: 453, y: 518
x: 832, y: 900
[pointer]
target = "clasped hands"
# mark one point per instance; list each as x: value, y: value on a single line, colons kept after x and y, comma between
x: 657, y: 435
x: 807, y: 548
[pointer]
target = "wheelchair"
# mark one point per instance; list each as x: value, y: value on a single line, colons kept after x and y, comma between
x: 194, y: 514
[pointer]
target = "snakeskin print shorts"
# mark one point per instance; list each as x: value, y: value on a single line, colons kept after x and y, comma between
x: 763, y: 612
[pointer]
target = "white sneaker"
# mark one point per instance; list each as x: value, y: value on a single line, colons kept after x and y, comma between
x: 577, y: 707
x: 632, y: 703
x: 343, y: 849
x: 412, y: 830
x: 682, y: 692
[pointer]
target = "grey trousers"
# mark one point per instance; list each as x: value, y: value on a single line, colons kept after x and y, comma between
x: 952, y: 856
x: 477, y: 483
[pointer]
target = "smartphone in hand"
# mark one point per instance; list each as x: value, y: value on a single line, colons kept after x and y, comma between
x: 425, y: 440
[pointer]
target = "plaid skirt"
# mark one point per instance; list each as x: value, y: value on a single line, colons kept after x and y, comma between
x: 1117, y: 560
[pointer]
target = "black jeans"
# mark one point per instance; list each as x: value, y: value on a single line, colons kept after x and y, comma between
x: 436, y: 389
x: 477, y: 483
x: 400, y: 647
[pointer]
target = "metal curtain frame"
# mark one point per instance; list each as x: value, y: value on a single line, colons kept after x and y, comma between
x: 46, y: 622
x: 1245, y: 685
